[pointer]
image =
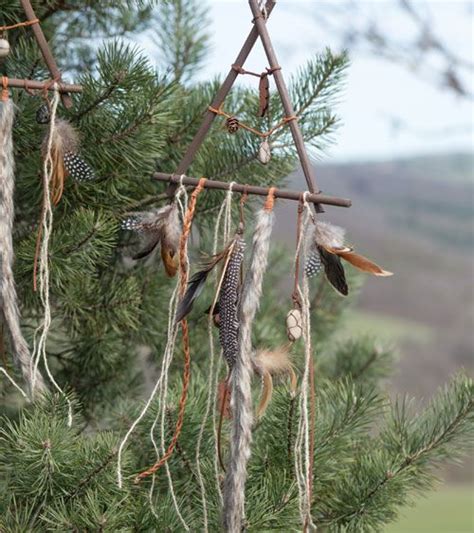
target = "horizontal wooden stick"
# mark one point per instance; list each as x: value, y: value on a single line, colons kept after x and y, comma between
x: 315, y: 198
x: 40, y: 85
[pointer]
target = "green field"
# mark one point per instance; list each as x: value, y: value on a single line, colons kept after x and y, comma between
x: 385, y: 328
x: 450, y: 510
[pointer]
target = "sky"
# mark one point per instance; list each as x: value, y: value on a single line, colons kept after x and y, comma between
x: 377, y: 91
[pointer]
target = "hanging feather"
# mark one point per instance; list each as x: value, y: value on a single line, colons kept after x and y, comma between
x: 158, y: 227
x: 229, y: 301
x: 327, y: 247
x: 264, y: 94
x: 197, y: 282
x: 8, y: 298
x: 66, y: 159
x: 269, y: 364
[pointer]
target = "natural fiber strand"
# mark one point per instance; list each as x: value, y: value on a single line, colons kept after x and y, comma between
x: 241, y: 400
x: 44, y: 274
x: 156, y: 388
x: 13, y: 382
x: 225, y: 210
x: 8, y: 295
x: 183, y: 269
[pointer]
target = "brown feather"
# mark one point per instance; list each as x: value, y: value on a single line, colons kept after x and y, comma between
x: 170, y: 260
x: 334, y: 270
x: 266, y: 396
x: 197, y: 281
x: 264, y: 95
x: 361, y: 262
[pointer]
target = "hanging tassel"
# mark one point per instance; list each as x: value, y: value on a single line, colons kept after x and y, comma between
x: 65, y: 157
x: 241, y: 399
x: 159, y: 227
x: 326, y: 248
x: 8, y: 296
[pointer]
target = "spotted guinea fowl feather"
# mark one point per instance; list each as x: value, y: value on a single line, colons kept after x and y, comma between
x: 229, y: 301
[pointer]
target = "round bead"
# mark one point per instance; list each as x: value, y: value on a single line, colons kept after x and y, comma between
x: 4, y: 48
x: 294, y: 325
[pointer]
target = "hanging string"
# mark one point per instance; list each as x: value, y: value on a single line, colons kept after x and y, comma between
x: 19, y: 25
x: 183, y: 268
x: 13, y: 382
x: 304, y: 443
x: 163, y: 389
x: 39, y: 350
x: 226, y: 212
x: 263, y: 135
x: 171, y: 339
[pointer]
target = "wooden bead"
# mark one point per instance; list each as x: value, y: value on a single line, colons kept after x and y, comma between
x: 294, y: 325
x: 4, y: 48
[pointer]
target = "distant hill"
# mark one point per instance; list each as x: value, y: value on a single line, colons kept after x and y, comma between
x: 415, y: 217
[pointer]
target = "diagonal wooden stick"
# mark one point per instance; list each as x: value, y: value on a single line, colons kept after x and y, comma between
x: 217, y: 102
x: 45, y: 50
x: 260, y: 24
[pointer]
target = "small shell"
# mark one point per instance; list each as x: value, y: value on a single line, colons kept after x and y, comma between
x: 264, y: 152
x: 294, y: 325
x: 4, y: 48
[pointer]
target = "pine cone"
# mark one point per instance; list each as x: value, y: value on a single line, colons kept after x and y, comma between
x: 232, y: 124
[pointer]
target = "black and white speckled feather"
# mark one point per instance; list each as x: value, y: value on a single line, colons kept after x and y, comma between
x: 229, y: 302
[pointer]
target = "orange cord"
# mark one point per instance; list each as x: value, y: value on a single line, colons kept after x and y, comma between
x: 19, y: 25
x: 183, y: 266
x: 4, y: 88
x: 262, y: 134
x: 270, y: 201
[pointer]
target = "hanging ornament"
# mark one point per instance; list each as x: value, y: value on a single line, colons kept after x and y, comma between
x: 264, y: 152
x: 4, y: 48
x: 9, y: 310
x: 65, y: 157
x: 264, y: 94
x: 198, y: 280
x: 294, y: 325
x: 158, y: 227
x: 229, y: 296
x: 326, y: 248
x: 232, y: 124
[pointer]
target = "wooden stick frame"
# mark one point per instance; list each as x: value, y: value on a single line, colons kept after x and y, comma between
x: 49, y: 60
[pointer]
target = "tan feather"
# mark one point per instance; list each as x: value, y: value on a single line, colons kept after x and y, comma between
x: 170, y: 260
x: 271, y: 363
x: 266, y: 396
x: 360, y: 262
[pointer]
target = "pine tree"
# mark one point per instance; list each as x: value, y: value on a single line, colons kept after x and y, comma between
x: 372, y: 454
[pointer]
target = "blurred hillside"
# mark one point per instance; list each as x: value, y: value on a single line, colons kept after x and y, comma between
x: 416, y: 218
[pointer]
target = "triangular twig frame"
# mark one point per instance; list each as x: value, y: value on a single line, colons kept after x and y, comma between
x: 259, y: 30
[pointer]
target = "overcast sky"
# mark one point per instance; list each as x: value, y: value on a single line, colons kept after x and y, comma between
x: 437, y: 120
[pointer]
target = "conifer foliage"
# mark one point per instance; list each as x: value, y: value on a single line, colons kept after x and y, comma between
x: 372, y: 454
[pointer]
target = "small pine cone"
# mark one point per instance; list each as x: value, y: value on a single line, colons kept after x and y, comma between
x: 77, y: 167
x: 43, y: 114
x: 294, y: 325
x: 232, y: 124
